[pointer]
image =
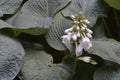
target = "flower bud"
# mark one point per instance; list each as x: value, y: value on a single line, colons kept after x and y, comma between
x: 77, y: 27
x: 85, y: 59
x: 78, y: 34
x: 86, y: 21
x: 82, y: 28
x: 89, y: 35
x: 72, y: 16
x: 76, y: 22
x: 89, y: 31
x: 74, y: 37
x: 84, y: 25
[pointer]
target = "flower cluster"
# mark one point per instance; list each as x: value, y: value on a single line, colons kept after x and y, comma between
x: 78, y: 34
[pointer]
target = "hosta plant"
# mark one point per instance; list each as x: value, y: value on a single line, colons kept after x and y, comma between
x: 59, y: 40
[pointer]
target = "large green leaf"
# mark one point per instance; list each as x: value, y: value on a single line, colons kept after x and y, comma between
x: 108, y: 49
x: 11, y: 53
x: 54, y: 34
x: 38, y: 65
x: 91, y: 9
x: 108, y: 73
x: 9, y: 6
x: 36, y: 14
x: 113, y: 3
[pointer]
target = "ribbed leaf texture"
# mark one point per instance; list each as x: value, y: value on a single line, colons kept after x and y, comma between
x: 11, y: 53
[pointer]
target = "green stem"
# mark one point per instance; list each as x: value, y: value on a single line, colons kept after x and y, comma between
x: 74, y: 69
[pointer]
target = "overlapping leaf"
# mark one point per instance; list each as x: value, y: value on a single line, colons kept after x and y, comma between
x: 40, y: 67
x: 35, y: 15
x: 54, y: 34
x: 9, y: 6
x: 108, y: 49
x: 108, y: 73
x: 11, y: 53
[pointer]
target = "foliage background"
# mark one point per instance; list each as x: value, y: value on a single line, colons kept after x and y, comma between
x: 31, y: 47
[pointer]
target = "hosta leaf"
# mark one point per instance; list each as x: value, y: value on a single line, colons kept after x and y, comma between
x: 108, y: 73
x: 44, y: 8
x: 9, y: 6
x: 54, y: 34
x: 11, y: 53
x: 113, y: 3
x: 29, y: 24
x: 38, y: 65
x: 3, y: 24
x: 36, y: 14
x: 108, y: 49
x: 90, y: 8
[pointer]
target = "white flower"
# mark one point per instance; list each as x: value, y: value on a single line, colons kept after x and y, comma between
x: 85, y: 59
x: 72, y: 16
x: 78, y: 34
x: 76, y: 22
x: 79, y: 49
x: 84, y: 25
x: 74, y: 37
x: 89, y: 31
x: 86, y: 43
x: 82, y: 28
x: 68, y: 30
x: 89, y: 35
x: 86, y: 21
x: 66, y: 39
x: 77, y: 27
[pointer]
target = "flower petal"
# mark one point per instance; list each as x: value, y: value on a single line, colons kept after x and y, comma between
x: 79, y: 50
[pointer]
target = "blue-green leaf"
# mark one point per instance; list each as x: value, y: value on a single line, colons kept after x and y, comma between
x: 41, y: 67
x: 108, y: 73
x: 106, y: 48
x: 11, y: 53
x: 9, y: 6
x: 36, y: 15
x: 54, y: 34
